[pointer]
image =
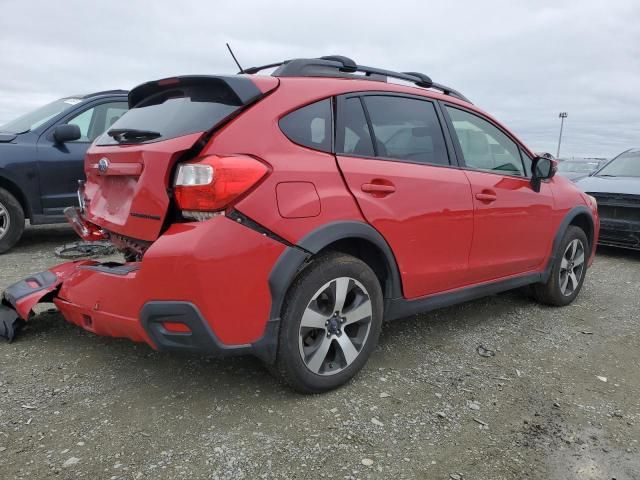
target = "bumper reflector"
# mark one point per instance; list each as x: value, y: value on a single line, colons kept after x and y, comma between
x: 176, y: 327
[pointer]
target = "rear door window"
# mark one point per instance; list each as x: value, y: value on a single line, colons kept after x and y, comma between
x: 406, y: 129
x: 310, y: 126
x: 174, y: 112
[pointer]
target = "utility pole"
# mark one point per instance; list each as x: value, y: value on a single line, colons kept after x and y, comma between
x: 562, y: 116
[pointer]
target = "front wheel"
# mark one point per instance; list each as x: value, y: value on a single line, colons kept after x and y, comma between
x: 330, y: 324
x: 11, y: 220
x: 568, y: 271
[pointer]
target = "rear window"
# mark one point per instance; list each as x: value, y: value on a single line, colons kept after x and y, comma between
x: 310, y: 126
x: 173, y: 112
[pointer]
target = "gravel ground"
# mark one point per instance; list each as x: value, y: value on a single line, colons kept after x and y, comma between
x: 559, y: 400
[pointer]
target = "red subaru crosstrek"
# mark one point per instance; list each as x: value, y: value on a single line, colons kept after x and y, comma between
x: 286, y: 216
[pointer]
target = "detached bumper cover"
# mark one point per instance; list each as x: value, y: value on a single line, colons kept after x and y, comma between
x: 18, y: 300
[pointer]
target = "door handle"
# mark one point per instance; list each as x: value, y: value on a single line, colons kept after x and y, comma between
x: 487, y: 196
x: 379, y: 188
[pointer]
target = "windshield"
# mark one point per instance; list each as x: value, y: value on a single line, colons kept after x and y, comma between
x: 577, y: 167
x: 39, y: 116
x: 625, y: 165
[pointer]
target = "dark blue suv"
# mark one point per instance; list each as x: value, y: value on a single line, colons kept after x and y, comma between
x: 41, y: 158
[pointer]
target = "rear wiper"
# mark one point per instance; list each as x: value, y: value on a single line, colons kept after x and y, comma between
x: 122, y: 135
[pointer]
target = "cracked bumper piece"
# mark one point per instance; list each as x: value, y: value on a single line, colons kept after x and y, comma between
x: 201, y: 288
x: 10, y: 322
x: 18, y: 300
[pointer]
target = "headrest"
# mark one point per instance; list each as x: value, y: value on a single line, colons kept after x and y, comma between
x: 477, y: 142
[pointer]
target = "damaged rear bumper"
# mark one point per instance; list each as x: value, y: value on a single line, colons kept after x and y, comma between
x: 175, y: 299
x: 165, y: 325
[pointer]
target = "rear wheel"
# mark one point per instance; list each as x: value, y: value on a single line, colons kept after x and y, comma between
x: 568, y: 271
x: 330, y: 324
x: 11, y: 220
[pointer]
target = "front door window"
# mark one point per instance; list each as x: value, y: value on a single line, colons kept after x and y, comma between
x: 94, y: 121
x: 485, y: 147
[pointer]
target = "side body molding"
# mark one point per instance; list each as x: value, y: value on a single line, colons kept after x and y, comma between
x: 294, y: 259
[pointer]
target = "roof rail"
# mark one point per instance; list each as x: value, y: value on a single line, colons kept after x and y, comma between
x: 340, y: 66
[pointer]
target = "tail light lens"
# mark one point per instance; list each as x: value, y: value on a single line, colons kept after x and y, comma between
x: 210, y: 184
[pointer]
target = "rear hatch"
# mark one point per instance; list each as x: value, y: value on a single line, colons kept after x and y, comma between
x: 129, y: 167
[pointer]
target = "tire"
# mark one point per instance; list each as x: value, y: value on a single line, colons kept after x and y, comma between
x: 327, y: 350
x: 11, y: 221
x: 562, y: 288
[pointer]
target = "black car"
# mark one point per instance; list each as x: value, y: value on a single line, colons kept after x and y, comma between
x: 41, y: 158
x: 616, y: 187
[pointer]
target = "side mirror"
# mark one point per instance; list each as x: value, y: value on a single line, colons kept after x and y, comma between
x: 542, y: 168
x: 66, y: 133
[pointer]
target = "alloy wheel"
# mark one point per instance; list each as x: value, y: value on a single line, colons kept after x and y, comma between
x: 5, y: 220
x: 335, y: 326
x: 571, y: 267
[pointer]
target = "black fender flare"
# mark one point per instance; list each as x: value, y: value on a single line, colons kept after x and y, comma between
x: 318, y: 239
x: 332, y: 232
x: 562, y: 228
x: 294, y: 257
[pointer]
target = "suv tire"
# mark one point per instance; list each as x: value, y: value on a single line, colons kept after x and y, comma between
x: 568, y: 271
x: 11, y: 220
x: 330, y: 324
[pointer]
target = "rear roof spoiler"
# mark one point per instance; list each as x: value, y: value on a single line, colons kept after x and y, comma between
x: 241, y: 90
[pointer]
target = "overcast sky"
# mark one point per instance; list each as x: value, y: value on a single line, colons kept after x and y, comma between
x: 522, y: 61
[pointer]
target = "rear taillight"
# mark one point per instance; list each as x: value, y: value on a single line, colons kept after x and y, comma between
x: 210, y: 184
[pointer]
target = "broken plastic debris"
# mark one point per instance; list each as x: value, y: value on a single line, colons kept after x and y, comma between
x: 485, y: 352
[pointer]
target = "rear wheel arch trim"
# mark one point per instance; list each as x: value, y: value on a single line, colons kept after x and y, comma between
x: 321, y: 238
x: 294, y: 258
